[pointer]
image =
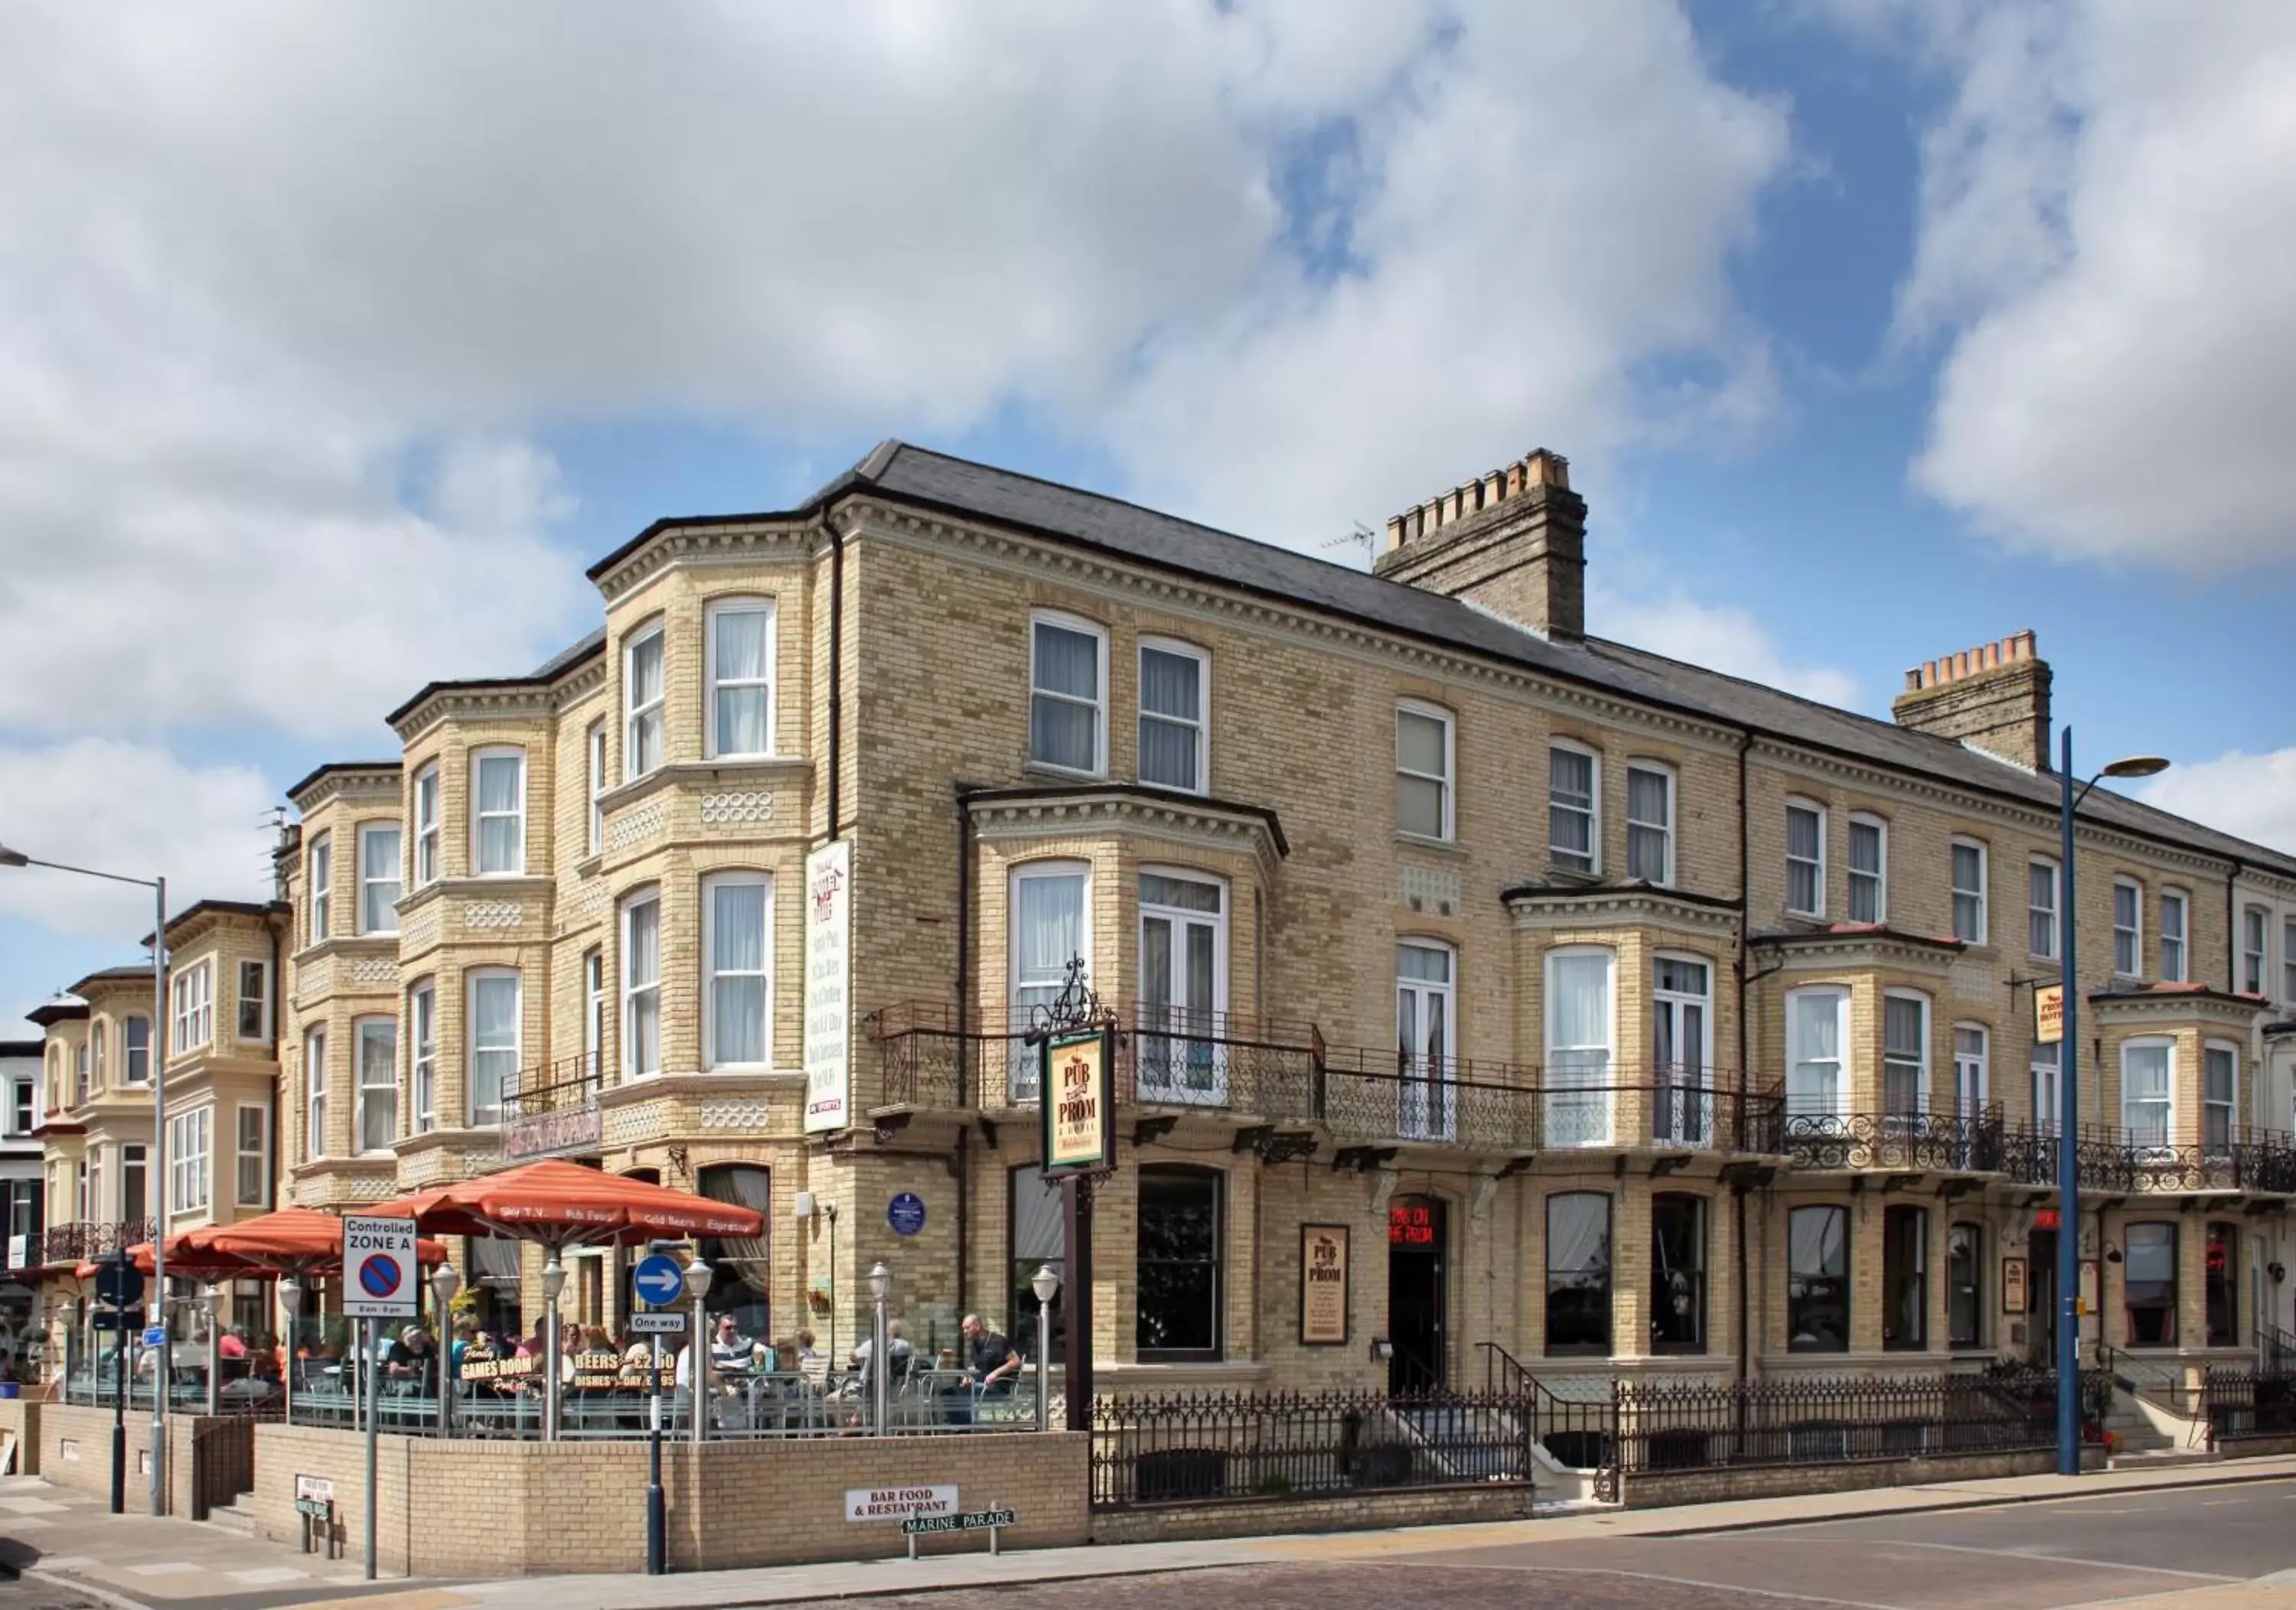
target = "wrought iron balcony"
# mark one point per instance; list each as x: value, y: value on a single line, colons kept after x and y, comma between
x: 552, y: 1110
x: 2135, y: 1161
x: 1926, y: 1142
x: 85, y: 1239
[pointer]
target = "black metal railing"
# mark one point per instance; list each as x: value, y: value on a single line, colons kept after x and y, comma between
x: 1931, y: 1142
x: 2162, y: 1383
x: 1712, y: 1425
x: 2135, y: 1161
x: 86, y: 1239
x: 551, y: 1109
x: 2239, y: 1403
x: 1208, y: 1447
x: 1581, y: 1432
x: 2276, y: 1349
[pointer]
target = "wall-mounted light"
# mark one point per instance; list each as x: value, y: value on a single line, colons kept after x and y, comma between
x: 2111, y: 1253
x: 2277, y: 1270
x: 1381, y: 1349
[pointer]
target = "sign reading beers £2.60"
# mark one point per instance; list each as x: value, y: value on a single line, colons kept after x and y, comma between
x: 1078, y: 1098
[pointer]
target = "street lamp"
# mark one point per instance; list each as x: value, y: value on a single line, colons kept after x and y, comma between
x: 1046, y: 1284
x: 445, y: 1280
x: 2069, y: 1426
x: 553, y: 1282
x: 880, y: 1287
x: 290, y: 1298
x: 806, y: 1207
x: 210, y: 1301
x: 699, y: 1278
x: 155, y: 1050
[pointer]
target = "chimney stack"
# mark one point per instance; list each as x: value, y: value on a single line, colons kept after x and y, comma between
x: 1514, y: 542
x: 1994, y: 697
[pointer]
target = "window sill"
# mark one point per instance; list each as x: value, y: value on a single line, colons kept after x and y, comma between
x: 1046, y: 769
x: 1420, y: 841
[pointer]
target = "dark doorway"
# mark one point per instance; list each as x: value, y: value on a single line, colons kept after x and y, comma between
x: 2041, y: 1301
x: 1416, y: 1247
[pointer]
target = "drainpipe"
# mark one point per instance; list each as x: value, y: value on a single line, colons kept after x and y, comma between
x: 2238, y: 923
x: 1745, y: 1073
x: 963, y: 1019
x: 278, y: 986
x: 836, y: 663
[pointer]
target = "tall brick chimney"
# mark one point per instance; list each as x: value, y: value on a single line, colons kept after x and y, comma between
x: 1994, y: 697
x: 1514, y: 542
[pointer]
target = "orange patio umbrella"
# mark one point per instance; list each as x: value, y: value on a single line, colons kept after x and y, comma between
x: 294, y: 1240
x: 192, y: 1263
x: 561, y: 1204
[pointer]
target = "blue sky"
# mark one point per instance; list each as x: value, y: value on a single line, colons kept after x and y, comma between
x: 1873, y: 329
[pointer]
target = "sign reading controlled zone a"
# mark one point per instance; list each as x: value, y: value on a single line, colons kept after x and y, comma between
x: 379, y: 1279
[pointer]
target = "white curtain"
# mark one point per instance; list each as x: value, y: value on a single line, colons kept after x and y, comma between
x: 740, y: 670
x: 1063, y: 729
x: 644, y: 705
x: 501, y: 814
x: 1815, y: 1243
x: 1647, y: 817
x: 1577, y: 1233
x: 1170, y: 687
x: 494, y: 1043
x: 1578, y: 1048
x: 1048, y: 930
x: 641, y: 975
x: 1814, y: 1064
x: 379, y: 880
x: 2145, y: 1094
x: 378, y: 1105
x: 737, y: 968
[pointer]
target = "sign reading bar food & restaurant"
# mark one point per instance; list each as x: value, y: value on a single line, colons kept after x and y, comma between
x: 828, y: 973
x: 1322, y: 1285
x: 898, y: 1503
x: 1079, y: 1101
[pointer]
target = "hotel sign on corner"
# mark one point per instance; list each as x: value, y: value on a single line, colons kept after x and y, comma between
x: 1079, y: 1103
x: 2049, y: 1014
x: 828, y: 974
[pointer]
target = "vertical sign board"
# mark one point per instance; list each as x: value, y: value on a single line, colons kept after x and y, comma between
x: 1077, y: 1098
x: 379, y: 1278
x: 2048, y: 1014
x: 828, y: 946
x: 1322, y: 1285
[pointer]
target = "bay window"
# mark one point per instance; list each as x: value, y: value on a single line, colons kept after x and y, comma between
x: 319, y: 875
x: 1580, y: 1017
x: 1068, y: 694
x: 498, y: 812
x: 135, y: 1049
x: 192, y: 1004
x: 741, y: 657
x: 2219, y: 1098
x: 315, y: 1085
x: 642, y: 984
x: 1183, y: 987
x: 1904, y: 1054
x: 594, y: 748
x: 422, y: 1056
x: 737, y: 982
x: 1177, y: 1265
x: 1173, y: 720
x: 1423, y: 759
x: 2147, y: 1090
x: 641, y: 703
x: 189, y: 1136
x: 426, y: 827
x: 1682, y: 1002
x: 1574, y: 806
x: 377, y: 1067
x: 1579, y: 1273
x: 1048, y: 901
x: 378, y: 874
x: 494, y: 994
x: 1817, y: 1030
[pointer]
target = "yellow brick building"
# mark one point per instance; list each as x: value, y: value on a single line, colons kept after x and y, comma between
x: 1626, y: 1018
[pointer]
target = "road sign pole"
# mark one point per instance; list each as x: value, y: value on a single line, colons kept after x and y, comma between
x: 655, y: 1519
x: 373, y: 1378
x: 119, y: 1412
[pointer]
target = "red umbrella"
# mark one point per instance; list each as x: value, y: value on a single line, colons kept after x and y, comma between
x: 192, y: 1263
x: 559, y: 1204
x: 294, y: 1240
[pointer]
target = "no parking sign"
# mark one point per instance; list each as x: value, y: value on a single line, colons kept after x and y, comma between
x: 379, y: 1269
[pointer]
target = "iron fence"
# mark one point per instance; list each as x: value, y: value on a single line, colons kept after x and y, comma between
x: 86, y: 1239
x: 1200, y: 1448
x: 2239, y: 1403
x: 2137, y: 1162
x: 1713, y: 1425
x: 1946, y: 1142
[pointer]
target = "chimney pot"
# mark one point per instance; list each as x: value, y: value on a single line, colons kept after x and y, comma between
x: 1527, y: 562
x: 1993, y: 696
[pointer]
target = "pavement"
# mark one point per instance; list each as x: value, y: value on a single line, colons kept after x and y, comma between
x: 2198, y: 1537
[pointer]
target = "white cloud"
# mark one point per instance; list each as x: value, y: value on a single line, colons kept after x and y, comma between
x: 136, y: 811
x: 1720, y: 637
x: 2251, y: 795
x: 2106, y: 224
x: 261, y: 261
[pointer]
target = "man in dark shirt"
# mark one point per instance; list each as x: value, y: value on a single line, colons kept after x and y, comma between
x: 991, y: 1364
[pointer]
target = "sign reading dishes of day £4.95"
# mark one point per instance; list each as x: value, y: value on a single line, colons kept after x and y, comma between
x: 828, y: 974
x: 1078, y: 1096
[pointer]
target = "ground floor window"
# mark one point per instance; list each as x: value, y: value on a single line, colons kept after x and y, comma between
x: 1678, y: 1274
x: 1964, y: 1286
x: 744, y: 1264
x: 2150, y: 1260
x: 1817, y: 1279
x: 2223, y: 1286
x: 1178, y: 1264
x: 1904, y: 1278
x: 1578, y: 1272
x: 1038, y: 1237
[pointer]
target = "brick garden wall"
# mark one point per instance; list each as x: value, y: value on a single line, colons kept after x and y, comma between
x: 1658, y: 1490
x: 210, y: 1460
x: 1411, y: 1507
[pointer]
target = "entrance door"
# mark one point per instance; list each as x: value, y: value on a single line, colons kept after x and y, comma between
x: 2041, y: 1301
x: 1417, y: 1243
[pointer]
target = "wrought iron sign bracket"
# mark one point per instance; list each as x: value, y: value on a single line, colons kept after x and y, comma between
x: 1517, y: 1164
x: 1674, y: 1164
x: 1895, y: 1183
x: 1363, y: 1159
x: 1153, y: 1128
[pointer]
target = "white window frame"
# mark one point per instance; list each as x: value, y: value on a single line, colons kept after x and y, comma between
x: 635, y: 715
x: 1425, y: 1096
x: 2048, y: 1089
x: 742, y: 604
x: 260, y: 1156
x: 261, y: 1000
x: 1447, y: 783
x: 191, y: 1172
x: 1881, y: 873
x: 319, y: 874
x: 1202, y: 722
x: 631, y: 1066
x: 593, y: 749
x: 1559, y: 856
x: 1687, y: 1119
x: 423, y: 1057
x: 1963, y: 1062
x: 1838, y: 996
x: 127, y: 1073
x: 1098, y: 705
x: 426, y: 826
x: 369, y: 863
x: 2176, y: 938
x: 2287, y: 961
x: 594, y: 1013
x: 2055, y: 909
x: 2134, y: 933
x: 479, y: 818
x: 315, y: 1087
x: 1983, y: 893
x: 1925, y: 1071
x: 1179, y: 1057
x: 2167, y: 1045
x: 1655, y: 768
x: 96, y: 1038
x: 23, y: 1107
x: 190, y: 1009
x: 1580, y: 1111
x: 711, y: 885
x: 482, y: 1117
x: 2256, y: 959
x: 1022, y: 1073
x: 2231, y: 1104
x: 364, y: 1090
x: 1811, y: 807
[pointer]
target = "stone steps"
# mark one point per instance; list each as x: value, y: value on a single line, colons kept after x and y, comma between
x: 230, y: 1517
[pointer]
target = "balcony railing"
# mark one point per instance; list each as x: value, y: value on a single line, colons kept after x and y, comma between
x: 552, y: 1110
x: 2137, y: 1161
x: 1929, y: 1143
x: 86, y: 1239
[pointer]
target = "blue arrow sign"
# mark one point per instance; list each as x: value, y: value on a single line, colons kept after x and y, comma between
x: 659, y: 1279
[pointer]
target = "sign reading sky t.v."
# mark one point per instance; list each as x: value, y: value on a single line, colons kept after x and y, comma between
x: 1078, y: 1098
x: 828, y: 943
x: 659, y: 1280
x: 379, y: 1281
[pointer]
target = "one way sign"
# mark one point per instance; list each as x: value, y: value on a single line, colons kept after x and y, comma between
x: 659, y: 1280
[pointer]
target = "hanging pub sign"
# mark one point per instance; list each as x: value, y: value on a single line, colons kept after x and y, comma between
x: 2048, y: 1014
x: 1078, y: 1103
x: 1322, y: 1285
